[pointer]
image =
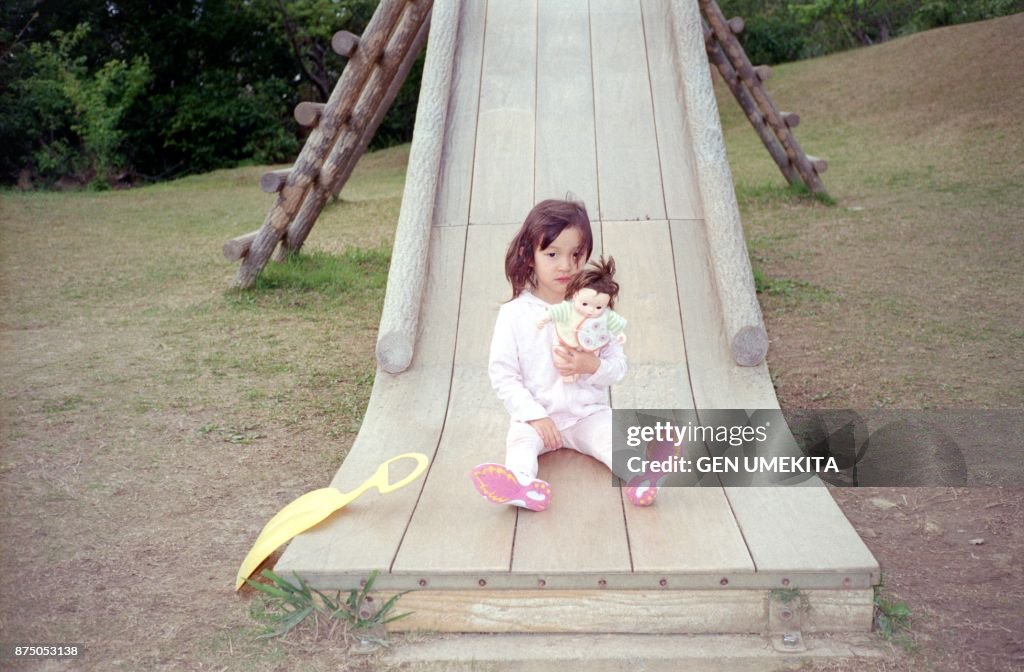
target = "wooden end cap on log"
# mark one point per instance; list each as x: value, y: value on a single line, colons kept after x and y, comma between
x: 736, y: 24
x: 820, y: 165
x: 763, y: 72
x: 273, y: 181
x: 791, y: 119
x: 308, y: 114
x: 344, y: 43
x: 236, y: 248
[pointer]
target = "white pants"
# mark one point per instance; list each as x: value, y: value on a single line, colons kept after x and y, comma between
x: 591, y: 436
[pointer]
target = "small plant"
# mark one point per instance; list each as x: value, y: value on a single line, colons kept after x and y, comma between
x: 285, y: 605
x: 891, y: 616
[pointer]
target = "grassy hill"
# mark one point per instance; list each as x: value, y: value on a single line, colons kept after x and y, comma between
x: 905, y: 293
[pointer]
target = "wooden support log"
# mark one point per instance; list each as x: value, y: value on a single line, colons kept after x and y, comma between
x: 236, y: 248
x: 335, y: 124
x: 792, y: 119
x: 308, y: 114
x: 344, y: 43
x: 820, y: 165
x: 746, y: 72
x: 274, y: 181
x: 749, y: 107
x: 303, y: 223
x: 736, y: 25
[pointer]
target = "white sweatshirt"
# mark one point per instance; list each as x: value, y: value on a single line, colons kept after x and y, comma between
x: 523, y: 372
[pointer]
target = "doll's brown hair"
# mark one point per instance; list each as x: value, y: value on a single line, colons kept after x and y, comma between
x: 598, y: 277
x: 545, y: 222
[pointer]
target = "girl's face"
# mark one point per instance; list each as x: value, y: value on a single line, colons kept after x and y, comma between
x: 554, y: 266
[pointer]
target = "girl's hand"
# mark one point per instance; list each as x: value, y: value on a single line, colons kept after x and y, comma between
x: 573, y: 362
x: 545, y: 427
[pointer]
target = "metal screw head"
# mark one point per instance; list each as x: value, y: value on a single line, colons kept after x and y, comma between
x: 785, y: 582
x: 541, y: 582
x: 482, y: 582
x: 423, y: 582
x: 602, y: 583
x: 724, y: 581
x: 663, y: 583
x: 785, y: 614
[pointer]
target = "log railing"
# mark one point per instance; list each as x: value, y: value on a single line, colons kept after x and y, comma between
x: 746, y: 84
x: 379, y: 60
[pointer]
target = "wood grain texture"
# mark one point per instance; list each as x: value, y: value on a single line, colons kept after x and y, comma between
x: 566, y: 152
x: 503, y: 165
x: 610, y: 611
x: 405, y: 414
x: 451, y: 207
x: 583, y: 530
x: 399, y: 319
x: 682, y: 197
x: 629, y: 175
x: 657, y: 375
x: 453, y: 528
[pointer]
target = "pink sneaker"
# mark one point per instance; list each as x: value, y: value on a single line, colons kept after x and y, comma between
x: 499, y: 485
x: 643, y: 494
x: 642, y: 489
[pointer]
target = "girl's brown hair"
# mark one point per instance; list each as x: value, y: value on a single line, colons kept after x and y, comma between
x: 598, y: 277
x: 545, y: 222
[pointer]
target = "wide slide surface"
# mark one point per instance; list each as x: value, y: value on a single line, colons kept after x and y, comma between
x: 546, y: 98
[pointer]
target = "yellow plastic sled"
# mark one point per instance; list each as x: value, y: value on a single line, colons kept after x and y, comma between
x: 313, y: 507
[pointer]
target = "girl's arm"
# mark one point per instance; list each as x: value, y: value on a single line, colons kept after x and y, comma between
x: 612, y: 368
x: 506, y: 377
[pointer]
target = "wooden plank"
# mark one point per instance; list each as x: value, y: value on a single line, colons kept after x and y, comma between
x: 787, y: 529
x: 793, y: 529
x: 689, y: 529
x: 611, y: 611
x: 583, y: 500
x: 658, y: 376
x: 503, y: 165
x: 629, y: 176
x: 583, y: 611
x: 566, y: 152
x: 717, y: 381
x: 451, y: 206
x: 682, y: 197
x: 405, y: 414
x: 453, y: 529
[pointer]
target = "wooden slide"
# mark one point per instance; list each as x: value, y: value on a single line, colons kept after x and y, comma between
x: 610, y: 100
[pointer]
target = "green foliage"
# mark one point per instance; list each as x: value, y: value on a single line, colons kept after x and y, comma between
x: 778, y: 31
x: 937, y: 13
x: 285, y: 605
x: 891, y: 617
x: 167, y: 89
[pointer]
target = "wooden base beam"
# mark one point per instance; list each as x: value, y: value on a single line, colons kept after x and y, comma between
x: 639, y: 611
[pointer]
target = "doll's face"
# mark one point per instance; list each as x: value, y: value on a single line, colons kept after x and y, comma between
x: 589, y: 302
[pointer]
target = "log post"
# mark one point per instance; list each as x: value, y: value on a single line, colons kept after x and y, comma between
x: 308, y: 114
x: 314, y: 204
x: 273, y: 181
x: 752, y: 79
x: 362, y: 85
x: 237, y: 248
x: 344, y: 43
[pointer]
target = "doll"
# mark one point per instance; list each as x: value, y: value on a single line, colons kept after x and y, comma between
x: 585, y: 321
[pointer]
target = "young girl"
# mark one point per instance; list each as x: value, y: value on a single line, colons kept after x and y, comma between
x: 547, y: 413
